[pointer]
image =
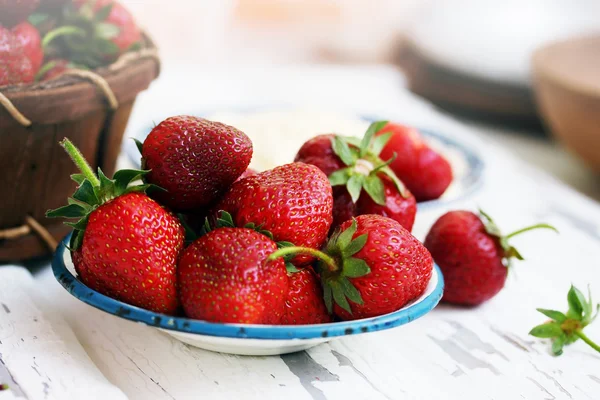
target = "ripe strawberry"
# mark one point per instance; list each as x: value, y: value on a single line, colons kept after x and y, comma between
x: 247, y: 172
x: 472, y: 254
x: 15, y: 65
x: 195, y: 160
x: 304, y: 301
x: 363, y: 183
x: 293, y: 202
x: 372, y: 261
x: 424, y: 171
x: 29, y: 39
x: 125, y: 244
x: 14, y: 11
x: 401, y: 209
x: 225, y: 276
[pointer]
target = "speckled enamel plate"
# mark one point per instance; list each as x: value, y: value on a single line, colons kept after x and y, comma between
x: 277, y: 137
x: 242, y: 339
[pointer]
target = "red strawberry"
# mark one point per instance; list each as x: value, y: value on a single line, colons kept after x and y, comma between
x: 225, y: 276
x: 369, y: 186
x: 293, y: 202
x: 401, y: 209
x: 472, y: 254
x: 14, y: 11
x: 424, y: 171
x: 195, y: 160
x: 29, y: 39
x: 304, y: 302
x: 125, y: 245
x: 15, y: 65
x: 372, y: 261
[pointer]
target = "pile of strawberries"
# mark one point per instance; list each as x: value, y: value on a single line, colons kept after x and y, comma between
x: 41, y: 39
x: 325, y: 237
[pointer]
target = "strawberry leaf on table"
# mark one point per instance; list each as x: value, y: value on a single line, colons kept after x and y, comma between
x: 567, y: 328
x: 364, y: 167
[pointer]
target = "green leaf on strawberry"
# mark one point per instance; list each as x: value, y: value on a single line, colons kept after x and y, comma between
x: 93, y: 191
x: 567, y: 328
x: 364, y: 167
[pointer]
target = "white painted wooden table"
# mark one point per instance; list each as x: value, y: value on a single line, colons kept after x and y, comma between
x: 452, y: 353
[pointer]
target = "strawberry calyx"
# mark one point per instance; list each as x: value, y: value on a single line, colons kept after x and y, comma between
x: 364, y: 167
x: 93, y: 191
x: 567, y: 328
x: 510, y: 251
x: 336, y: 265
x: 84, y: 35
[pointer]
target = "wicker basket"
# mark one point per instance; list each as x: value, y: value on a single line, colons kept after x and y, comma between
x: 92, y: 110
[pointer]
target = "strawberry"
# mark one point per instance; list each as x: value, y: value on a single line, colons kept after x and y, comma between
x: 472, y: 254
x: 424, y: 171
x: 15, y: 65
x: 363, y: 183
x: 293, y: 202
x: 195, y: 160
x: 225, y: 276
x: 304, y: 301
x: 125, y: 245
x: 14, y: 11
x: 29, y: 39
x: 93, y: 33
x: 247, y: 172
x: 371, y: 266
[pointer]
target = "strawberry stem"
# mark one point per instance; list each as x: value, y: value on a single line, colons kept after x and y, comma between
x: 294, y: 250
x: 529, y: 228
x: 80, y: 161
x: 586, y: 339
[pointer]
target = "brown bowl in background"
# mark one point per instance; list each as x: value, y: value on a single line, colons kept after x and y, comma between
x: 566, y: 77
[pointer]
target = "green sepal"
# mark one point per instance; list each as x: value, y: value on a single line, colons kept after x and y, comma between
x: 355, y: 245
x: 340, y: 177
x: 36, y: 19
x: 379, y: 143
x: 547, y: 330
x: 124, y: 177
x: 553, y: 314
x: 76, y: 240
x: 68, y: 211
x: 342, y: 150
x: 78, y: 178
x: 339, y: 295
x: 327, y: 297
x: 85, y: 193
x: 103, y: 12
x: 138, y: 144
x: 344, y: 238
x: 291, y: 268
x: 374, y: 188
x: 79, y: 225
x: 368, y: 137
x: 283, y: 243
x: 576, y: 301
x: 558, y: 344
x: 351, y: 292
x: 355, y: 267
x: 397, y: 182
x: 354, y: 186
x: 190, y: 234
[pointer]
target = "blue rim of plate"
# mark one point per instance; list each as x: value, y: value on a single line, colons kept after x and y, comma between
x: 271, y: 332
x: 470, y: 183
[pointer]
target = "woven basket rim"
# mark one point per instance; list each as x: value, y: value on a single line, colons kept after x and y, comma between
x: 35, y: 88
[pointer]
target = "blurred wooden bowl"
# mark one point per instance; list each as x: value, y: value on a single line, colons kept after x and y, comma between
x: 566, y: 78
